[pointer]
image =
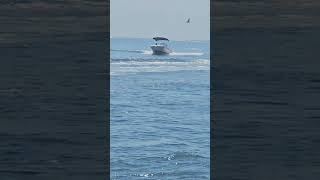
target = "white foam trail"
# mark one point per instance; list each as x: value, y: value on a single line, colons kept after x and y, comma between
x: 186, y: 54
x: 133, y: 51
x: 147, y: 52
x: 178, y: 53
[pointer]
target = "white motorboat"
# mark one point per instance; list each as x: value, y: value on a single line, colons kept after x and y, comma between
x: 160, y: 47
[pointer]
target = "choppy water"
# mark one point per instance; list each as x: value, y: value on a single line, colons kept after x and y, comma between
x: 159, y: 111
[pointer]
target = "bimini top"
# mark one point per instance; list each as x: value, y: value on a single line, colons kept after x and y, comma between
x: 160, y: 38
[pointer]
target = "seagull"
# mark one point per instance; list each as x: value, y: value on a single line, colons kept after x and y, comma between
x: 188, y: 21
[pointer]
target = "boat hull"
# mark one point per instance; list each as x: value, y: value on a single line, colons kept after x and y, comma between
x: 160, y: 50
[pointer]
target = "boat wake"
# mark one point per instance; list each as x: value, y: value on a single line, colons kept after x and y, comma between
x: 143, y: 61
x: 186, y: 54
x: 126, y: 66
x: 146, y: 52
x: 130, y: 51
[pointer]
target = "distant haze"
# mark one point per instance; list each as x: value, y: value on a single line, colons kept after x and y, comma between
x: 149, y: 18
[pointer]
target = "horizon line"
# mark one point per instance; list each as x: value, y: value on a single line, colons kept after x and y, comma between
x: 152, y: 37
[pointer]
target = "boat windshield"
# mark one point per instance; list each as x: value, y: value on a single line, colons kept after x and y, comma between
x: 161, y: 43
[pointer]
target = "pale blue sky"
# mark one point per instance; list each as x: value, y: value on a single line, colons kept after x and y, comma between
x: 149, y: 18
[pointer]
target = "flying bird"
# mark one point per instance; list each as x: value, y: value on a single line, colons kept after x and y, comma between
x: 188, y: 21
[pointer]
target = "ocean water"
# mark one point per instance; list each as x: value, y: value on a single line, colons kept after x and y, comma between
x: 160, y: 122
x: 266, y: 103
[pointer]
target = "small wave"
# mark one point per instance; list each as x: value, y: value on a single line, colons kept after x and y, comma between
x: 183, y: 156
x: 143, y: 175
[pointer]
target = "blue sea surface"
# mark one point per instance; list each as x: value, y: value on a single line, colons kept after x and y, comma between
x: 160, y: 122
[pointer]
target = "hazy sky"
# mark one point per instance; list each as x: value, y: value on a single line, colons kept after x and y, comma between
x: 149, y: 18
